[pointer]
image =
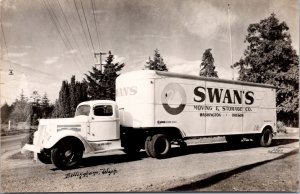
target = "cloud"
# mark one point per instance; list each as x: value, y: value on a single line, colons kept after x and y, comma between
x: 118, y: 59
x: 27, y: 46
x: 8, y: 5
x: 15, y: 55
x: 180, y: 65
x: 6, y: 24
x: 73, y: 51
x: 211, y: 23
x: 51, y: 60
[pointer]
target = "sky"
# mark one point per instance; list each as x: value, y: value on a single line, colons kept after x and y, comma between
x: 48, y: 41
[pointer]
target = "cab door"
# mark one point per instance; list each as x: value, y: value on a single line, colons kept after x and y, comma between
x: 104, y: 123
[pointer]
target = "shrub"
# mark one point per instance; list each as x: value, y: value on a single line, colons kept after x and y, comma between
x: 280, y: 127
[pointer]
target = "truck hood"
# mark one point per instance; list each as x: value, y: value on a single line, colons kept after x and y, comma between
x: 63, y: 123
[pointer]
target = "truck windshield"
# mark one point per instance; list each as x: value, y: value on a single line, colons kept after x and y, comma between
x: 83, y: 110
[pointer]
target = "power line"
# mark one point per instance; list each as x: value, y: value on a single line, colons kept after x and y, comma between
x: 58, y: 26
x: 86, y: 39
x: 66, y: 19
x: 53, y: 21
x: 3, y: 30
x: 93, y: 7
x: 87, y: 27
x: 4, y: 39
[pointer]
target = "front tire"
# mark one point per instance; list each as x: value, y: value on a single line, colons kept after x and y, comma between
x: 265, y: 138
x: 66, y: 155
x: 44, y: 157
x: 159, y: 146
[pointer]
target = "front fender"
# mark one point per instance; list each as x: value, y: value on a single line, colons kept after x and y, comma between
x: 269, y: 125
x: 67, y: 133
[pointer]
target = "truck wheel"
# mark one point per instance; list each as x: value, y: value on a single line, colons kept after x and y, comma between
x: 147, y: 145
x: 265, y: 138
x: 66, y: 155
x: 159, y: 146
x: 44, y: 158
x: 233, y: 139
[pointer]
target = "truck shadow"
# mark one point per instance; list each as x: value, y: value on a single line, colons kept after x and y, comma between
x: 110, y: 159
x: 221, y: 147
x: 214, y: 179
x: 175, y: 152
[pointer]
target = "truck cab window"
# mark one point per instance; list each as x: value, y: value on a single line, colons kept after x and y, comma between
x: 83, y: 110
x: 103, y: 110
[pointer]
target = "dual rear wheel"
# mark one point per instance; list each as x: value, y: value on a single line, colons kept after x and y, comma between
x: 157, y: 146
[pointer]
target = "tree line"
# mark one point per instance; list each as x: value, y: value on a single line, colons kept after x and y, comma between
x: 268, y: 58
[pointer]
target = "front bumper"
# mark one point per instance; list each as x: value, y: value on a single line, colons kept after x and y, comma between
x: 30, y: 147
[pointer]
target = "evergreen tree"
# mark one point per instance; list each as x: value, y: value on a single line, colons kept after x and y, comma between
x: 35, y: 98
x: 270, y: 58
x: 5, y: 112
x: 22, y: 110
x: 56, y: 113
x: 73, y: 97
x: 157, y: 63
x: 207, y: 65
x: 101, y: 85
x: 45, y: 100
x: 70, y: 95
x: 64, y: 100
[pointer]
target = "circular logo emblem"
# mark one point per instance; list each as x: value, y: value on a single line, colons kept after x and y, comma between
x: 173, y: 98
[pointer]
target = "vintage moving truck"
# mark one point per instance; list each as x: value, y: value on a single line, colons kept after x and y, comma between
x: 154, y: 110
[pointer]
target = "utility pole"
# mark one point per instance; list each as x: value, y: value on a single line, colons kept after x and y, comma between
x: 100, y: 63
x: 230, y: 44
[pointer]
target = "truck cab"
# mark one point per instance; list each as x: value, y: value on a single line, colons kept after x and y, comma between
x: 103, y: 120
x: 95, y: 128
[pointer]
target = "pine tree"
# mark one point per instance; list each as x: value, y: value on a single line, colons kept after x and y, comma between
x: 271, y: 59
x: 207, y: 65
x: 101, y: 86
x: 157, y: 63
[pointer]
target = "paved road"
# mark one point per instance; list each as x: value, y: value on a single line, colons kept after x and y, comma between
x: 9, y: 143
x: 118, y: 172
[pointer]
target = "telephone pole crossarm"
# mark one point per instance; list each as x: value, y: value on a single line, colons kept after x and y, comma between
x: 100, y: 55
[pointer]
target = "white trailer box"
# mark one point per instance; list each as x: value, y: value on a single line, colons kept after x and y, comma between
x: 197, y: 106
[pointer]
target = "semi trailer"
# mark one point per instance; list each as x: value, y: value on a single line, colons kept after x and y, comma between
x: 154, y: 110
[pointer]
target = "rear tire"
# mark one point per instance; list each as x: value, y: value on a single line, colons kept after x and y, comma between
x: 66, y: 155
x: 159, y: 146
x: 265, y: 138
x: 147, y: 146
x: 44, y: 157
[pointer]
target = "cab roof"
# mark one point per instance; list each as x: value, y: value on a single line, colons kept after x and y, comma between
x: 93, y: 102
